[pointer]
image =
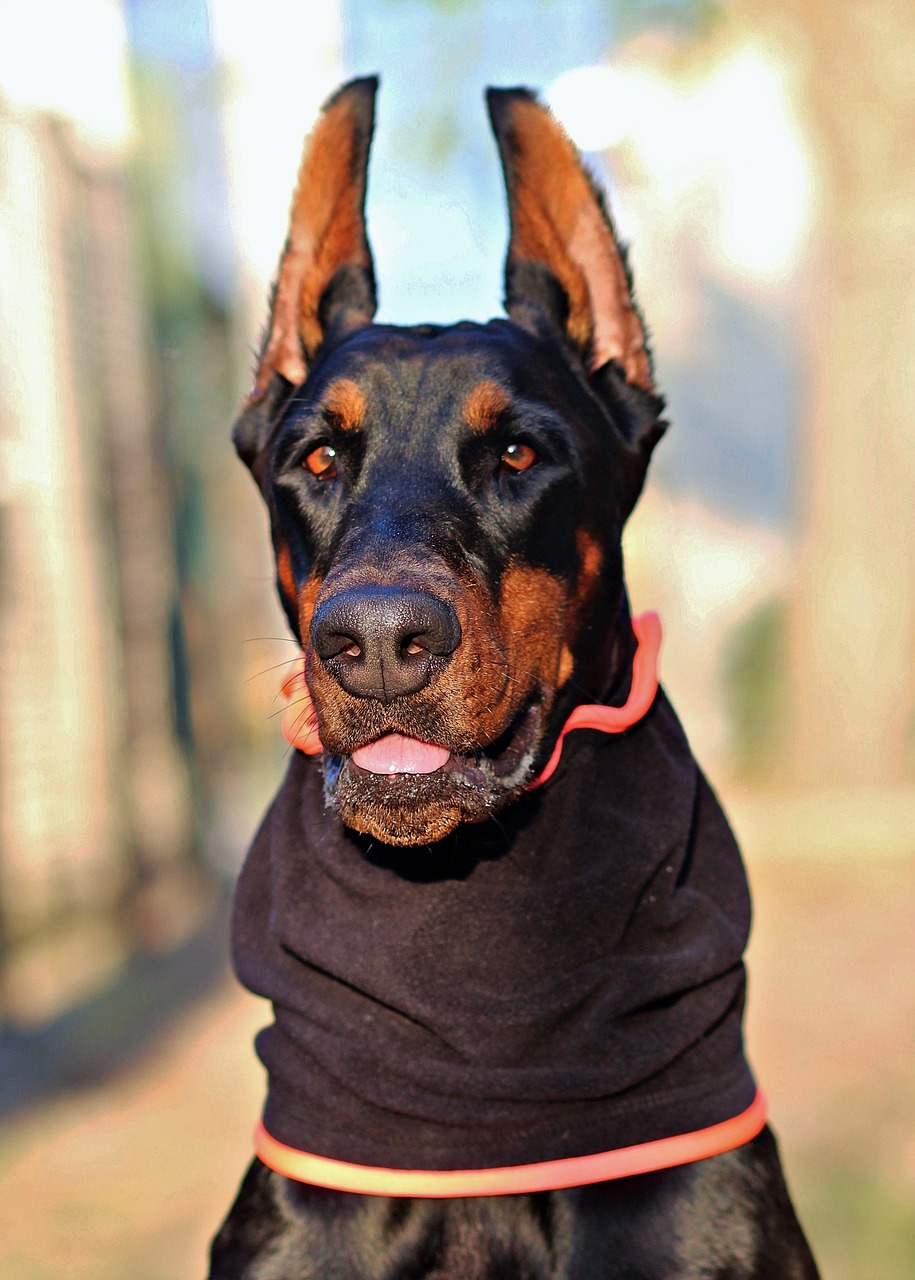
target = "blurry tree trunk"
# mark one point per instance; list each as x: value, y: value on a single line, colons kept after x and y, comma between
x: 855, y: 607
x: 157, y: 784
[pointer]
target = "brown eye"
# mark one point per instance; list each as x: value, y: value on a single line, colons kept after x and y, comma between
x: 518, y: 457
x: 322, y: 462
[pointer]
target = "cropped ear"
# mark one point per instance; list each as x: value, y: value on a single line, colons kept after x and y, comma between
x: 564, y: 262
x: 325, y: 285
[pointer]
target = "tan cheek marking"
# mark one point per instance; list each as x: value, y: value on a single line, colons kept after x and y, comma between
x: 590, y: 562
x: 566, y: 665
x: 284, y: 572
x: 307, y: 597
x: 485, y: 405
x: 475, y: 686
x: 590, y: 558
x: 532, y: 610
x: 346, y: 403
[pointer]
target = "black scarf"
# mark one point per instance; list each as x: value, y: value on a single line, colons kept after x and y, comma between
x: 562, y: 981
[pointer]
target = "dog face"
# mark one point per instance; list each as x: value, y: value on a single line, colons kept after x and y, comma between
x: 446, y: 503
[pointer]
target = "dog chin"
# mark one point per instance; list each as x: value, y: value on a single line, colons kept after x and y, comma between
x: 421, y: 808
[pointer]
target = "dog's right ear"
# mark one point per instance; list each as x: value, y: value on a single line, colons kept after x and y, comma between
x: 325, y: 285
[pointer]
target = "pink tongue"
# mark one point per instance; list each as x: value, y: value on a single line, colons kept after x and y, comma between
x: 396, y: 754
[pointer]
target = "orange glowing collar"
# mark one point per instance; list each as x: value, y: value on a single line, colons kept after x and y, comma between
x: 519, y: 1179
x: 644, y: 686
x: 300, y: 726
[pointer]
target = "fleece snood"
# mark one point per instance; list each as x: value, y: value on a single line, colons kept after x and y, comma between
x: 565, y: 981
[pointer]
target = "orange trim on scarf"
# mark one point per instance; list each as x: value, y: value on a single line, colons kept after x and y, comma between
x: 300, y: 728
x: 520, y: 1179
x: 642, y: 692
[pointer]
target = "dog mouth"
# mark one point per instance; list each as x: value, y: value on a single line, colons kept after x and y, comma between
x: 502, y: 760
x: 405, y: 791
x: 395, y: 753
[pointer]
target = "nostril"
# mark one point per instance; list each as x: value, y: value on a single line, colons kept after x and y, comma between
x: 331, y: 643
x: 429, y: 628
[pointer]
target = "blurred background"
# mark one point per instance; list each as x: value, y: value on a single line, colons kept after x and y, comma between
x: 761, y: 160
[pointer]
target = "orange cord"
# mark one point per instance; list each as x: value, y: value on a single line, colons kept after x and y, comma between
x: 647, y: 628
x: 522, y: 1179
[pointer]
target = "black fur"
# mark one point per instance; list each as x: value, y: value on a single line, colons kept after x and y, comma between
x: 728, y: 1218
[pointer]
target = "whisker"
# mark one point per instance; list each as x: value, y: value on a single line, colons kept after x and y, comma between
x: 298, y: 702
x: 276, y: 666
x: 297, y: 724
x: 493, y: 818
x: 281, y: 639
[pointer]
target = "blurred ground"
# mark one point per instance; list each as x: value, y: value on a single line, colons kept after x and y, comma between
x: 132, y: 1178
x: 832, y: 1037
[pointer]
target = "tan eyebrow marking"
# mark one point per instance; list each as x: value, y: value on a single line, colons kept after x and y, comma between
x: 485, y: 405
x: 344, y: 401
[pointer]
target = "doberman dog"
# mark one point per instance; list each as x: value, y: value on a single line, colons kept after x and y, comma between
x: 474, y: 976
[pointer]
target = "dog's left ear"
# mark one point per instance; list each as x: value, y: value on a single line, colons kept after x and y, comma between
x: 325, y: 285
x: 564, y: 262
x: 567, y: 272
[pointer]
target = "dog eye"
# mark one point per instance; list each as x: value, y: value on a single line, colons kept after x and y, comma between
x: 517, y: 457
x: 322, y: 462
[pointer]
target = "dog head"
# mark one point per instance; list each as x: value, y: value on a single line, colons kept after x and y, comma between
x: 447, y: 502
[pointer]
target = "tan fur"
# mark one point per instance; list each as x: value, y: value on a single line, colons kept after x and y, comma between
x: 532, y: 609
x: 590, y: 563
x: 346, y: 404
x: 307, y: 599
x: 485, y: 405
x: 326, y: 231
x: 406, y: 825
x: 284, y: 572
x: 566, y: 665
x: 556, y: 220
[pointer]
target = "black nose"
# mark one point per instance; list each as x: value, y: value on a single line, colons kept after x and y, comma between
x: 384, y: 641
